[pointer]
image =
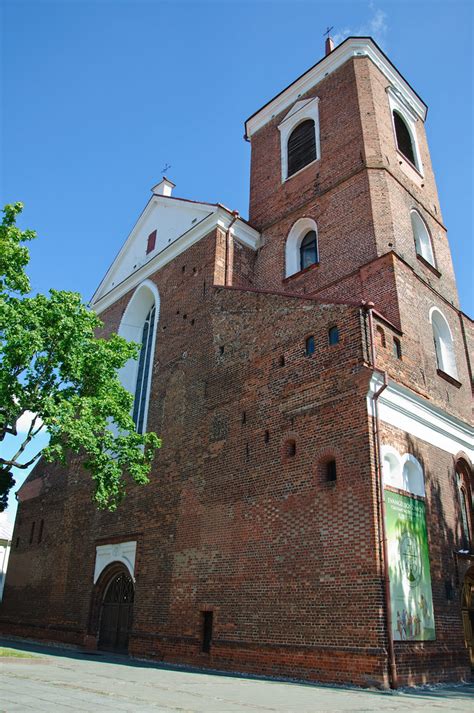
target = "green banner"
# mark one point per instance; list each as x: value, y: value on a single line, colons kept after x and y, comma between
x: 409, y: 568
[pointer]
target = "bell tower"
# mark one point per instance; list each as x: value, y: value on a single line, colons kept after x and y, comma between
x: 344, y: 148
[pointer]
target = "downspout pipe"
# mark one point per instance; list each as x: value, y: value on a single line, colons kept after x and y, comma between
x: 392, y: 664
x: 227, y: 281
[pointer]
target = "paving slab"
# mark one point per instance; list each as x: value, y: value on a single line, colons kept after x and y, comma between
x: 63, y: 680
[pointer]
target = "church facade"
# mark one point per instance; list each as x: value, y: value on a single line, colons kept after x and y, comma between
x: 310, y: 512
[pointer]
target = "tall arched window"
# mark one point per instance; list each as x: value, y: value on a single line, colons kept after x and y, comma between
x: 143, y: 374
x: 404, y: 140
x: 139, y: 325
x: 308, y: 250
x: 301, y: 146
x: 443, y: 342
x: 422, y: 237
x: 465, y: 503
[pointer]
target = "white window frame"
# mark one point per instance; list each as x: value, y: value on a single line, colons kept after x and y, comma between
x: 131, y: 328
x: 301, y: 111
x: 444, y: 343
x: 410, y: 118
x: 423, y: 241
x: 293, y: 243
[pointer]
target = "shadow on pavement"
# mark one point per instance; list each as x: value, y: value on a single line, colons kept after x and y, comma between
x: 462, y: 690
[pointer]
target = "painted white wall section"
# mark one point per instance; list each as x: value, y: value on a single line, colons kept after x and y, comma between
x: 125, y: 274
x: 124, y: 552
x: 402, y: 471
x: 402, y: 408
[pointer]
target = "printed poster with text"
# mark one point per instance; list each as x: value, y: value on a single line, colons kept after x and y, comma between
x: 409, y: 568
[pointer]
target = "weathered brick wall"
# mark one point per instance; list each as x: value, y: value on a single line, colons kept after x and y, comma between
x: 446, y: 657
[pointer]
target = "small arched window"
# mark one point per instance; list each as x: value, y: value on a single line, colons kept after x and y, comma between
x: 301, y: 146
x: 308, y: 250
x: 404, y: 140
x: 443, y: 343
x: 422, y: 237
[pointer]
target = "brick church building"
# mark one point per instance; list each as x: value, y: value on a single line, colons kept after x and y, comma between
x: 310, y: 512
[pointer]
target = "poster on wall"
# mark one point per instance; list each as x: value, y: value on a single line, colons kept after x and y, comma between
x: 409, y: 568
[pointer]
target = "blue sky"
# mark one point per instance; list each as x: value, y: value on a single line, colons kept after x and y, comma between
x: 98, y: 96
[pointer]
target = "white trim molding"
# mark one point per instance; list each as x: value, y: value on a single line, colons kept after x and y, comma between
x: 301, y: 111
x: 408, y: 115
x: 124, y: 552
x: 402, y: 408
x: 352, y: 47
x: 219, y: 216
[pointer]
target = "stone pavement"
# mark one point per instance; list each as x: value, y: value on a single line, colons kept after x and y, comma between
x: 66, y: 680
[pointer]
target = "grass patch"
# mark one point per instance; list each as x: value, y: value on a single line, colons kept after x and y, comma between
x: 13, y: 653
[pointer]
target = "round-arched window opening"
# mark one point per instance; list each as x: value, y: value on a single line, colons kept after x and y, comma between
x: 404, y: 140
x: 443, y: 343
x: 422, y: 237
x: 301, y: 146
x: 308, y: 250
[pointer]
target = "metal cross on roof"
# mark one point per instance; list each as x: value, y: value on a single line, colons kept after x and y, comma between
x: 328, y: 31
x: 165, y: 168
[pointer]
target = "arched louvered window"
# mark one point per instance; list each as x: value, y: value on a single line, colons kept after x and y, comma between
x: 143, y: 374
x: 308, y: 250
x: 443, y: 343
x: 463, y: 482
x: 404, y: 140
x: 301, y: 146
x: 422, y: 238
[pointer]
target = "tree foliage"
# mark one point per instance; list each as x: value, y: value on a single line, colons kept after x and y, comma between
x: 53, y: 366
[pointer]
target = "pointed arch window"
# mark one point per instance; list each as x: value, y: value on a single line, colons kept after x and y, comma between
x: 422, y: 237
x: 465, y: 503
x: 443, y: 343
x: 308, y: 250
x: 301, y: 146
x: 143, y: 374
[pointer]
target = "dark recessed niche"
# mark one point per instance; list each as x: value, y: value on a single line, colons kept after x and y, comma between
x: 282, y: 360
x: 244, y: 418
x: 193, y: 321
x: 221, y: 349
x: 183, y: 269
x: 266, y: 436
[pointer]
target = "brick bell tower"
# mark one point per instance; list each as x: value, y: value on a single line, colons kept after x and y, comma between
x: 343, y: 192
x: 343, y: 151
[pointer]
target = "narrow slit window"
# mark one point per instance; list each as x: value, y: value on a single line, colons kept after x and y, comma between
x: 207, y: 621
x: 333, y: 335
x: 40, y: 533
x: 143, y: 374
x: 32, y: 531
x: 331, y: 472
x: 309, y: 346
x: 397, y: 348
x: 151, y: 242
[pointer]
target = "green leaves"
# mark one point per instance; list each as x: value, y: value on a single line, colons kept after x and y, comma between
x: 53, y: 364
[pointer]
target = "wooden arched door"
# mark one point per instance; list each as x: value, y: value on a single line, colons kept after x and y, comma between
x: 467, y: 605
x: 116, y: 613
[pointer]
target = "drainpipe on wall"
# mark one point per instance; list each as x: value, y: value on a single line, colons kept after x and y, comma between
x: 235, y: 214
x: 392, y: 664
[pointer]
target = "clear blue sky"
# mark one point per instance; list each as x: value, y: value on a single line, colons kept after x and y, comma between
x: 99, y: 96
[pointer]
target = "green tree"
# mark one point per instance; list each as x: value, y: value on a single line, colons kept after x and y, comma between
x: 53, y: 366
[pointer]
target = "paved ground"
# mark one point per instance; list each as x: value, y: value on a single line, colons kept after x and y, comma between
x: 62, y: 680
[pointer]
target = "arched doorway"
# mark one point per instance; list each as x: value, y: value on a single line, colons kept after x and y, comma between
x: 116, y: 613
x: 467, y: 607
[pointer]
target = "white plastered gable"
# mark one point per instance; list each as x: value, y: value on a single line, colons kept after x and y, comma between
x: 299, y: 112
x: 171, y: 218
